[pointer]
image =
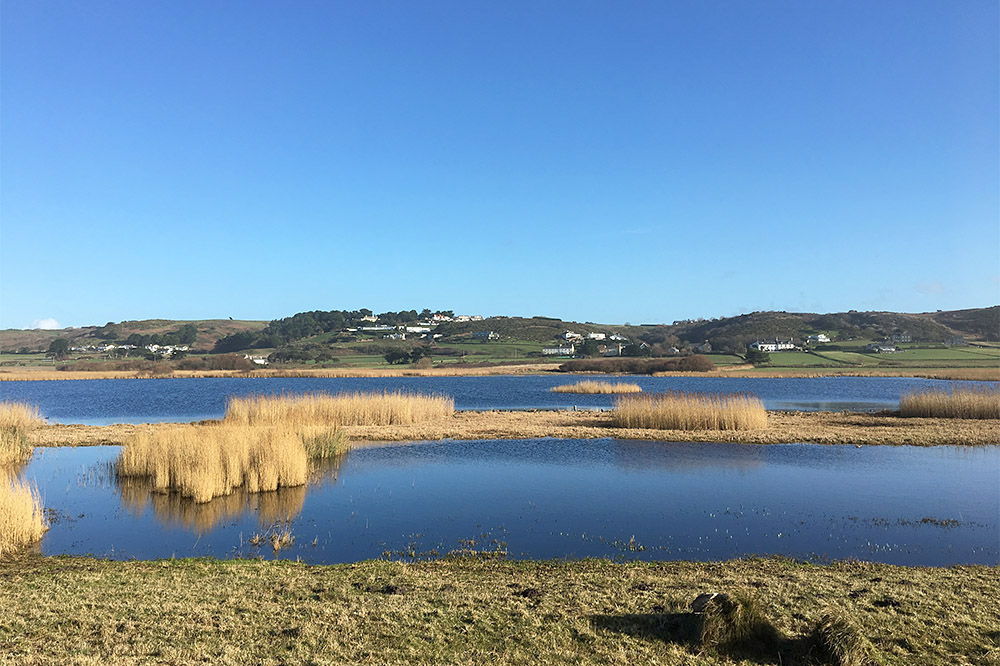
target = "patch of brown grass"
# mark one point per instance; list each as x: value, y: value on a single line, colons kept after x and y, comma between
x: 22, y: 520
x: 965, y: 402
x: 203, y: 462
x: 597, y: 387
x: 679, y: 410
x: 387, y: 408
x: 16, y: 420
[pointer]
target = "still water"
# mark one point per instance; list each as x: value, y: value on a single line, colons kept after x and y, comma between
x: 550, y: 498
x: 103, y: 401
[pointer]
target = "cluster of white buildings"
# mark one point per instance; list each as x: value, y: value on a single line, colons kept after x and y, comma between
x: 103, y: 348
x: 570, y: 335
x: 772, y: 345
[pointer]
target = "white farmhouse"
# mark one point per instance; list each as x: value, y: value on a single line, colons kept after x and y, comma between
x: 570, y: 335
x: 597, y: 336
x: 772, y: 346
x: 817, y: 339
x: 561, y: 350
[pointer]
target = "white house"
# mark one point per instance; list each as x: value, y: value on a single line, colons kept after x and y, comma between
x: 257, y: 360
x: 772, y: 346
x: 418, y: 329
x: 394, y: 336
x: 597, y: 336
x: 371, y: 318
x: 817, y: 339
x: 570, y: 335
x: 486, y: 335
x: 881, y: 348
x: 561, y: 350
x: 617, y: 337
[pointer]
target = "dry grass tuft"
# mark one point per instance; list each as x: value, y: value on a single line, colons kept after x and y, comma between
x: 839, y: 643
x: 596, y: 387
x: 965, y: 402
x: 737, y: 621
x: 312, y: 409
x: 203, y: 462
x: 16, y: 419
x: 22, y: 520
x: 679, y: 410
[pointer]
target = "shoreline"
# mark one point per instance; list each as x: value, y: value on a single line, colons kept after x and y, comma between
x: 833, y: 428
x: 470, y: 610
x: 744, y: 371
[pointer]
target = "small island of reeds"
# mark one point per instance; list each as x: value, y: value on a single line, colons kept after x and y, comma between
x: 264, y: 442
x: 679, y: 410
x: 964, y: 402
x: 597, y: 387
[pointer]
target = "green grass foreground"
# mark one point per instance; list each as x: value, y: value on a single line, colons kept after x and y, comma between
x: 465, y: 611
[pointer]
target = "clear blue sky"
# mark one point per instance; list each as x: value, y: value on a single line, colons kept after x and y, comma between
x: 604, y: 161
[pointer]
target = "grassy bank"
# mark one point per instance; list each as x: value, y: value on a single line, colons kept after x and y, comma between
x: 73, y: 610
x: 959, y: 403
x: 783, y: 427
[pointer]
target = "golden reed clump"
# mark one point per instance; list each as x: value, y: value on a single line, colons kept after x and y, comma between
x: 388, y: 408
x: 679, y: 410
x: 597, y: 387
x: 965, y: 402
x: 202, y: 462
x: 22, y: 519
x: 16, y: 418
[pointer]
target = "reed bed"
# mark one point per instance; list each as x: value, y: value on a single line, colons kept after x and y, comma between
x: 203, y: 462
x: 679, y: 410
x: 16, y: 419
x: 22, y: 518
x: 314, y: 409
x: 597, y: 387
x: 965, y: 402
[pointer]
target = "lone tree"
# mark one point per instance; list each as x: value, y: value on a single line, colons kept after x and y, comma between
x: 59, y: 348
x: 397, y: 356
x: 757, y: 357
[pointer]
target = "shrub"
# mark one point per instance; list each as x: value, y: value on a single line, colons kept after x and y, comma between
x: 839, y: 643
x: 737, y: 621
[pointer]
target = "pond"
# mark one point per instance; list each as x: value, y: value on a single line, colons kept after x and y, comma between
x: 550, y: 498
x: 103, y: 401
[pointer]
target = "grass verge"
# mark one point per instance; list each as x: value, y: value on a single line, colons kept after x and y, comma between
x: 466, y: 611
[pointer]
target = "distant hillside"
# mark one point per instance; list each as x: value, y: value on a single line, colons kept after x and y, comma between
x: 209, y: 332
x: 728, y: 334
x: 978, y: 322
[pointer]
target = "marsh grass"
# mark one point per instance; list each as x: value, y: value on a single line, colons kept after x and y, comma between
x: 16, y: 419
x: 838, y: 642
x: 679, y: 410
x: 964, y: 402
x: 203, y: 462
x: 597, y: 387
x: 737, y: 622
x: 313, y: 409
x: 22, y: 519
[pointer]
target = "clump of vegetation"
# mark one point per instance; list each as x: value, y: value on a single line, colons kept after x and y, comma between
x: 836, y: 641
x: 22, y: 518
x: 310, y: 409
x: 640, y: 366
x: 203, y: 462
x: 968, y: 402
x: 596, y: 387
x: 16, y: 418
x: 737, y: 622
x: 679, y: 410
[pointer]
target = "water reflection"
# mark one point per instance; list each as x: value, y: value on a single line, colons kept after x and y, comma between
x: 172, y: 510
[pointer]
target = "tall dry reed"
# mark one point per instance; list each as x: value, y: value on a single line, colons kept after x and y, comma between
x: 202, y: 462
x: 963, y: 402
x: 312, y: 409
x: 678, y: 410
x: 16, y: 419
x: 597, y: 387
x: 22, y: 519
